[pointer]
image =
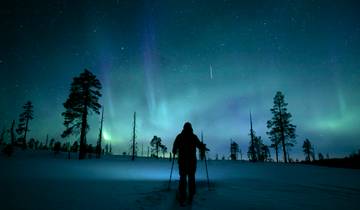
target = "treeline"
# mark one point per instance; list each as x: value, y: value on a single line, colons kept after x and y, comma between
x: 155, y: 149
x: 351, y: 161
x: 18, y: 135
x: 83, y: 99
x: 281, y: 134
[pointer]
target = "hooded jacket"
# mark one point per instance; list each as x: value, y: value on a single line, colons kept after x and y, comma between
x: 185, y: 146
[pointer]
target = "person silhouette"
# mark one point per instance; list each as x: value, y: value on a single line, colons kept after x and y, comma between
x: 185, y: 146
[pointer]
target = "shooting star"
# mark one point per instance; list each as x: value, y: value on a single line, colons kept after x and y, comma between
x: 211, y: 72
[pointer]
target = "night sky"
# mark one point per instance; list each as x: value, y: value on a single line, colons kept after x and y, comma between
x: 207, y: 62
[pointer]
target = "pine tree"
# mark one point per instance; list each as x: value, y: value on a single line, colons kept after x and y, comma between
x: 252, y: 152
x: 264, y: 154
x: 57, y: 147
x: 275, y: 144
x: 308, y: 150
x: 51, y: 145
x: 234, y: 149
x: 24, y: 118
x: 156, y: 144
x: 84, y: 97
x: 281, y: 130
x: 163, y: 149
x: 75, y: 146
x: 37, y: 144
x: 258, y: 151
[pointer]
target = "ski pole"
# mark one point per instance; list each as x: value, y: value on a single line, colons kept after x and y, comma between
x: 172, y: 166
x: 207, y: 173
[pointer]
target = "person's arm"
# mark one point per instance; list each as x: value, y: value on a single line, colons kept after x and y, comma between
x: 200, y: 145
x: 175, y: 145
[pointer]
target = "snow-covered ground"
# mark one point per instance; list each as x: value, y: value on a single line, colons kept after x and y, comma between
x: 38, y: 180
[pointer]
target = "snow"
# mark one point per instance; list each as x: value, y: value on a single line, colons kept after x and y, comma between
x: 39, y: 180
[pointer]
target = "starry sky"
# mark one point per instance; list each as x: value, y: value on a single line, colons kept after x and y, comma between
x: 207, y: 62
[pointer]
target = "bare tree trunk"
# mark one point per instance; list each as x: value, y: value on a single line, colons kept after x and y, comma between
x: 26, y: 129
x: 134, y: 136
x: 98, y: 152
x: 277, y: 153
x: 283, y: 146
x: 282, y: 135
x: 253, y: 155
x: 82, y: 152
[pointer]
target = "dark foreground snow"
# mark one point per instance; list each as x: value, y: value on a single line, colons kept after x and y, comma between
x: 42, y: 181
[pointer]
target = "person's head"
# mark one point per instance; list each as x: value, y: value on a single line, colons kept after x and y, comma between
x: 187, y: 128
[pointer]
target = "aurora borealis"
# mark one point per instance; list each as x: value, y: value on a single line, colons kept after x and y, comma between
x: 207, y: 62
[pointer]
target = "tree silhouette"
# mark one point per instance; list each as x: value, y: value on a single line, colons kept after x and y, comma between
x: 264, y: 153
x: 90, y: 150
x: 252, y: 150
x: 36, y: 144
x: 46, y: 142
x: 156, y: 146
x: 275, y: 144
x: 163, y: 149
x: 234, y: 149
x: 24, y: 118
x: 75, y: 146
x: 258, y: 151
x: 134, y: 143
x: 308, y: 150
x: 106, y: 148
x: 98, y: 143
x: 57, y: 147
x: 2, y: 135
x: 8, y: 150
x: 281, y: 130
x: 31, y: 143
x: 51, y: 145
x: 84, y: 97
